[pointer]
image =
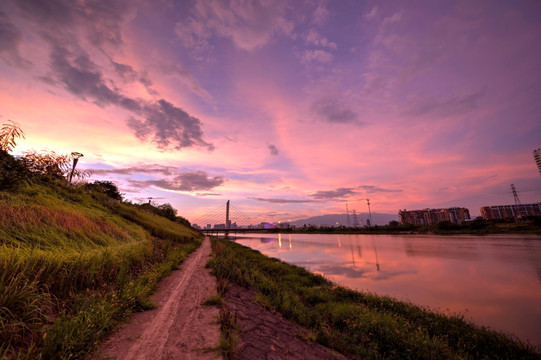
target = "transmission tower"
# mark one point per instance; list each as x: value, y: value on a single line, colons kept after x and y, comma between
x: 355, y: 220
x: 347, y: 216
x: 515, y: 195
x: 520, y: 210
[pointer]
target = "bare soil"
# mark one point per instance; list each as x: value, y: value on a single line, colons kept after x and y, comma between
x: 180, y: 327
x: 266, y: 335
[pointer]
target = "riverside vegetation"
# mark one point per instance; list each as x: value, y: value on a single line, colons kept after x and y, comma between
x: 479, y: 226
x: 75, y: 260
x: 359, y: 325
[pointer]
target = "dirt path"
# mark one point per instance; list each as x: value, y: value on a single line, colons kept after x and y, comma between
x: 180, y: 327
x: 266, y: 335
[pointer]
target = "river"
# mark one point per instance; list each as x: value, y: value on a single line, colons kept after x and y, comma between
x: 493, y: 280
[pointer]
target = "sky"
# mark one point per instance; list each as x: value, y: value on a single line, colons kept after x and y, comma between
x: 289, y: 109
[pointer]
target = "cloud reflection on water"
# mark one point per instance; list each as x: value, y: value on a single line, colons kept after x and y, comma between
x: 494, y: 280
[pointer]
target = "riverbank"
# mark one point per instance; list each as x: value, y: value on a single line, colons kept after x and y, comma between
x: 74, y: 264
x: 355, y: 324
x: 478, y: 226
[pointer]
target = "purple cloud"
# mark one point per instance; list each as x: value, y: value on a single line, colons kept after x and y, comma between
x: 188, y: 181
x: 273, y: 149
x: 283, y: 201
x: 334, y: 194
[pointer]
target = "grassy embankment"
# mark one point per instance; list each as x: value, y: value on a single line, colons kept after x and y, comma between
x: 359, y: 325
x: 74, y: 264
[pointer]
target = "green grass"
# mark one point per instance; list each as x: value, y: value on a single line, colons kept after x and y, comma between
x: 360, y: 325
x: 73, y: 265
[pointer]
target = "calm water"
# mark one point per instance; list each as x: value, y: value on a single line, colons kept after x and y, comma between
x: 493, y: 280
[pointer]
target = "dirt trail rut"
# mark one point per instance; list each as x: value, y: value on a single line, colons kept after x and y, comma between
x: 180, y: 327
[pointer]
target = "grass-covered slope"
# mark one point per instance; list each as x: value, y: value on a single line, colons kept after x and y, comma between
x: 359, y: 325
x: 74, y: 263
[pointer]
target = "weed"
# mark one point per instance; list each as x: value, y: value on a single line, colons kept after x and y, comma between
x: 229, y: 333
x: 213, y: 300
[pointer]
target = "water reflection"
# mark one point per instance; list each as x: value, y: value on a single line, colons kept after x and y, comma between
x: 495, y: 280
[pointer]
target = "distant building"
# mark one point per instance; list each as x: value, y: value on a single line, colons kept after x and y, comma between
x: 432, y: 216
x: 510, y: 211
x: 537, y: 157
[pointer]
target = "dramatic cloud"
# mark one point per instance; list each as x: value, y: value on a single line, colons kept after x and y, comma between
x: 162, y: 123
x: 142, y: 169
x: 316, y: 56
x: 61, y: 20
x: 283, y: 201
x: 83, y: 37
x: 334, y: 194
x: 273, y: 149
x: 167, y: 125
x: 457, y: 105
x: 375, y: 189
x: 300, y: 96
x: 10, y: 38
x: 332, y: 111
x: 249, y: 24
x: 188, y: 181
x: 321, y: 15
x: 314, y: 38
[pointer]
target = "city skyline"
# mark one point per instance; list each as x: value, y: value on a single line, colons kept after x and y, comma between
x: 288, y: 109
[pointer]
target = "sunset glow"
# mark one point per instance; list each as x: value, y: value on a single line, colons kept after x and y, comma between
x: 289, y: 109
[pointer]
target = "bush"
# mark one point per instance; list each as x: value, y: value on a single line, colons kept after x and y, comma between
x: 108, y: 188
x: 12, y: 172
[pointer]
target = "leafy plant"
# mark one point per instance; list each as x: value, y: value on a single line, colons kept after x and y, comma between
x: 8, y: 133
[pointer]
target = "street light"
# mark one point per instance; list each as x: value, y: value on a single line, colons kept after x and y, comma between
x: 75, y: 155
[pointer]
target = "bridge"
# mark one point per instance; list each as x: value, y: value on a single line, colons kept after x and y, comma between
x: 234, y: 221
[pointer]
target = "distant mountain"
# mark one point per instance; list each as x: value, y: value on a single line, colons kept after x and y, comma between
x: 341, y: 219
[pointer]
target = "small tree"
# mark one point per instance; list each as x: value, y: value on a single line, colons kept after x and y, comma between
x: 50, y: 164
x: 12, y: 171
x: 8, y: 133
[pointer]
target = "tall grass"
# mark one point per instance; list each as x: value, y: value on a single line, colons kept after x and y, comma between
x: 73, y: 265
x: 360, y: 325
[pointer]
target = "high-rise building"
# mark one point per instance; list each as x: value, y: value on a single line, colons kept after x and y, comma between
x: 432, y: 216
x: 537, y: 157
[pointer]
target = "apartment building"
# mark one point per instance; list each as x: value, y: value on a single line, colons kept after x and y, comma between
x: 432, y: 216
x: 510, y: 211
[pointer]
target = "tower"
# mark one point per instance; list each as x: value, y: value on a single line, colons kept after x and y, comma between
x: 520, y: 211
x: 227, y: 221
x: 347, y: 215
x: 515, y: 195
